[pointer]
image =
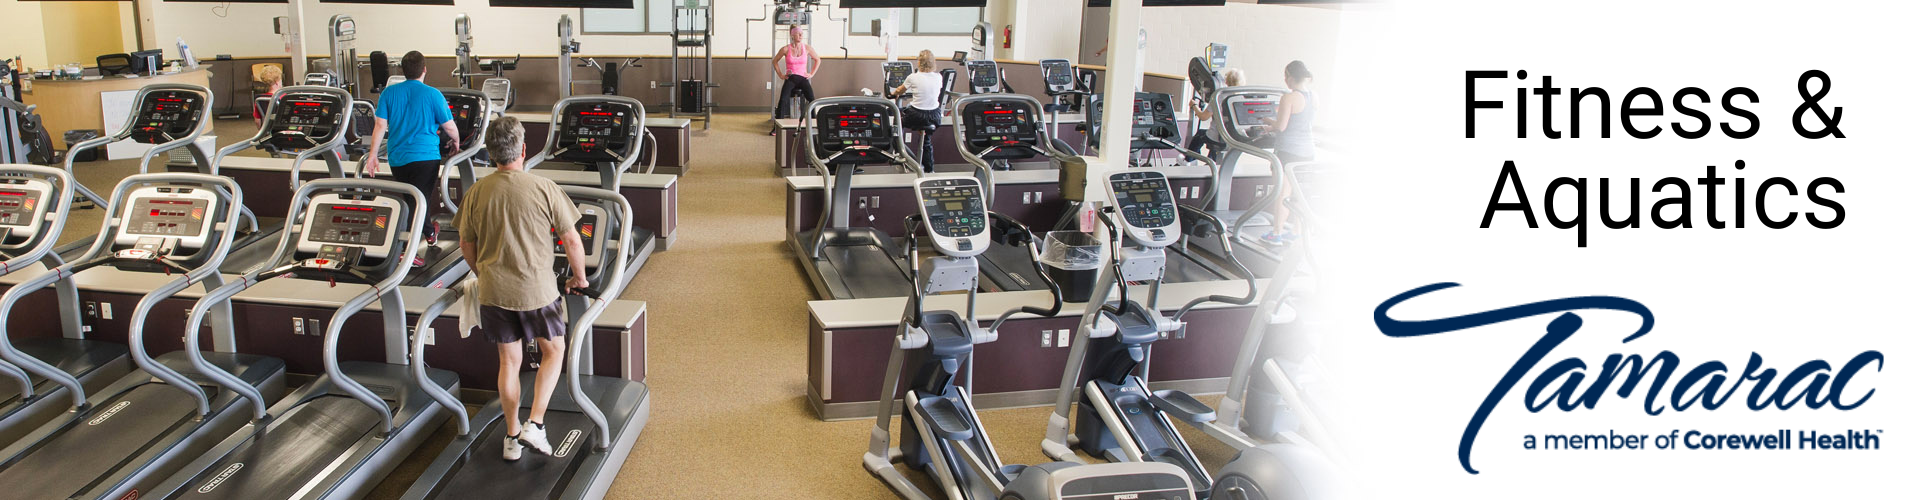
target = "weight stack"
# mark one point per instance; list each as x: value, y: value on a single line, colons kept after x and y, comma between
x: 693, y: 96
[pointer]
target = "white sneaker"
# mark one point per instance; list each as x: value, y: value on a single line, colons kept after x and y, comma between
x: 512, y: 450
x: 534, y: 435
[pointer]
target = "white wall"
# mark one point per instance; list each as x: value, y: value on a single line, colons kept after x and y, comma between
x: 247, y: 30
x: 1045, y: 29
x: 23, y: 36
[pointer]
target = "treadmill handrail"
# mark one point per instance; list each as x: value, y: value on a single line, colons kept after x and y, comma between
x: 583, y: 327
x: 52, y: 224
x: 462, y: 160
x: 559, y: 109
x: 418, y: 356
x: 897, y: 153
x: 387, y: 289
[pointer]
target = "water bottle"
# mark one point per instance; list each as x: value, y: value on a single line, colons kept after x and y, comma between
x: 186, y: 54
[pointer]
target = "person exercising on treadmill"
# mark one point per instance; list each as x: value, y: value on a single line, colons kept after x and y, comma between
x: 416, y: 114
x: 507, y: 223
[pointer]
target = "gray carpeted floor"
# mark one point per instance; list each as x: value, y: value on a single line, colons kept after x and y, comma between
x: 727, y: 345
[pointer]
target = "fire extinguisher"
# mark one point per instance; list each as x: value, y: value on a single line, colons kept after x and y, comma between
x: 1006, y: 37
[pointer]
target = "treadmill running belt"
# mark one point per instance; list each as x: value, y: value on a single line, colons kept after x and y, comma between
x: 100, y: 442
x: 484, y: 474
x: 292, y: 453
x: 867, y: 271
x: 1182, y: 268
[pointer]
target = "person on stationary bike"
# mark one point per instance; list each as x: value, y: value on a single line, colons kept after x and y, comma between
x: 507, y: 224
x: 923, y: 114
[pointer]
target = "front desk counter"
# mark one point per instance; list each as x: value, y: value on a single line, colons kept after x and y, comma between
x: 848, y: 342
x: 286, y: 318
x: 75, y: 104
x: 655, y: 197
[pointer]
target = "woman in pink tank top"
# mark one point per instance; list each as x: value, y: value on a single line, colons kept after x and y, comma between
x: 795, y: 63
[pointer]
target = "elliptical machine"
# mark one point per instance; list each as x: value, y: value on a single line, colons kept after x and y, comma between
x: 1118, y: 417
x: 940, y: 433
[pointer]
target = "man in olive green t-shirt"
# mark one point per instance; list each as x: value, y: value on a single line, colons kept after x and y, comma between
x: 507, y: 224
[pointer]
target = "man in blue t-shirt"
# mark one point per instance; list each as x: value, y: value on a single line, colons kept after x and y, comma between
x: 416, y: 114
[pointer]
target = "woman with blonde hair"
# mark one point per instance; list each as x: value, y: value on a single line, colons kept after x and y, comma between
x: 923, y: 112
x: 268, y: 80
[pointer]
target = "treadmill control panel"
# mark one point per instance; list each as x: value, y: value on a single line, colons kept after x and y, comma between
x: 1144, y: 200
x: 983, y: 75
x: 304, y: 120
x: 166, y: 115
x: 469, y: 110
x: 956, y: 214
x: 593, y: 237
x: 1009, y: 122
x: 1247, y: 115
x: 597, y: 131
x: 839, y: 127
x: 1058, y: 75
x: 23, y: 205
x: 335, y: 221
x: 178, y: 213
x: 1153, y: 117
x: 896, y: 72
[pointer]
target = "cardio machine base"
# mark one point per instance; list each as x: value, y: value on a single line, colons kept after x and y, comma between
x: 471, y: 465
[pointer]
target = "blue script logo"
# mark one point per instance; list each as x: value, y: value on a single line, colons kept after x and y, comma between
x: 1701, y: 385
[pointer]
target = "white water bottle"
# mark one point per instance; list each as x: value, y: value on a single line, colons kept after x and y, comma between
x: 186, y: 54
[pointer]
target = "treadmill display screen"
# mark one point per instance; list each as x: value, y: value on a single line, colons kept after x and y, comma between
x: 467, y: 110
x: 1144, y: 200
x: 1254, y: 112
x: 896, y: 72
x: 585, y: 228
x: 983, y: 74
x: 350, y: 224
x: 302, y: 121
x: 841, y: 126
x: 166, y: 115
x: 16, y: 207
x: 1002, y: 122
x: 597, y: 132
x: 954, y: 211
x: 167, y: 217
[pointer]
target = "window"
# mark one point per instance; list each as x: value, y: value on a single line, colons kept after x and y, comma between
x: 647, y: 17
x: 920, y: 20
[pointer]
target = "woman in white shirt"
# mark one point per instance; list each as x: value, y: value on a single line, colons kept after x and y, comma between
x: 923, y: 112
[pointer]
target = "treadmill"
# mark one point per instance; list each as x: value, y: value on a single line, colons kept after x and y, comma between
x: 603, y: 133
x: 843, y: 262
x: 119, y: 441
x: 34, y: 203
x: 595, y: 427
x: 991, y: 130
x: 309, y: 122
x: 444, y: 265
x: 339, y: 435
x: 1240, y: 124
x: 1068, y: 95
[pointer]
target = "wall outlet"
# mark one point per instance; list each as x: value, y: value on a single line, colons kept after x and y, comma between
x: 653, y: 84
x: 769, y: 85
x: 1046, y: 338
x: 299, y: 326
x: 1027, y: 199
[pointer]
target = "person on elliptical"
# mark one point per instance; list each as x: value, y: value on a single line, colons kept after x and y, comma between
x: 923, y: 114
x: 508, y: 222
x: 1202, y: 112
x: 1291, y: 136
x: 794, y: 63
x: 268, y: 80
x: 416, y: 115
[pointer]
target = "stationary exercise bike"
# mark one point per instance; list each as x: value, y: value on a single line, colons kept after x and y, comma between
x: 940, y: 433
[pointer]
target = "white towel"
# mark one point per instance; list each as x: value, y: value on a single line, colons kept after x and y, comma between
x: 468, y: 306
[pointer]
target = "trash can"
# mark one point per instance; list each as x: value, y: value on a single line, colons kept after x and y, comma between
x: 1072, y: 259
x: 73, y: 137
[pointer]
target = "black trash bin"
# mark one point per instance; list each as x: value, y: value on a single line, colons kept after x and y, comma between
x: 73, y: 137
x: 1072, y: 259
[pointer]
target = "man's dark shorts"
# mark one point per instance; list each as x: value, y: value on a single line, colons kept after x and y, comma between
x: 502, y: 326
